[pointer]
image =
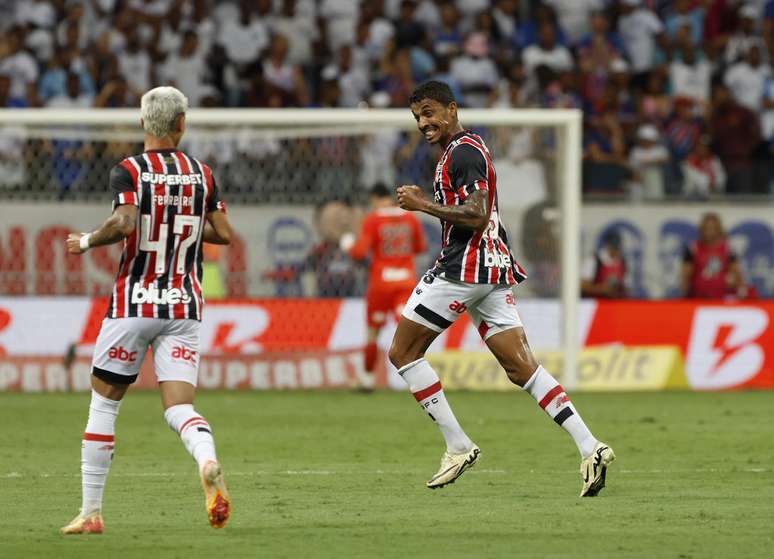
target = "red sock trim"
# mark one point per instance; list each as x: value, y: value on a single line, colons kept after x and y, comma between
x: 553, y: 393
x: 427, y: 392
x: 100, y: 438
x: 197, y: 418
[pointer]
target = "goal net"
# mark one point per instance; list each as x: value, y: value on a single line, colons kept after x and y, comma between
x: 294, y: 180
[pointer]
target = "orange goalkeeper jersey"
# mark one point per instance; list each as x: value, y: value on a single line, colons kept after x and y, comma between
x: 392, y: 237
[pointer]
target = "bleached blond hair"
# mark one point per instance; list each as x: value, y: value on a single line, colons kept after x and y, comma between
x: 159, y: 109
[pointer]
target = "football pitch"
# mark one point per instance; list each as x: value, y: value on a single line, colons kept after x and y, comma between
x: 340, y: 474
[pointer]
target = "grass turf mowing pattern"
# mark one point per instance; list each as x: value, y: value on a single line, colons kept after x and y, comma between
x: 341, y: 474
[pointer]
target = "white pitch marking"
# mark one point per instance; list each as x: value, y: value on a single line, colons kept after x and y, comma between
x: 18, y: 475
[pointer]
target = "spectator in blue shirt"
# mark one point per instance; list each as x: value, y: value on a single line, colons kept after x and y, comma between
x: 686, y: 15
x: 447, y: 40
x: 528, y: 31
x: 6, y: 99
x: 53, y: 82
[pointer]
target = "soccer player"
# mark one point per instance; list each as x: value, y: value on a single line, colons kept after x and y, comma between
x: 392, y: 237
x: 166, y: 204
x: 473, y: 273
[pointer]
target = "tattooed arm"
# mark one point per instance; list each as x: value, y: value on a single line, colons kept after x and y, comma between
x: 473, y: 214
x: 117, y: 227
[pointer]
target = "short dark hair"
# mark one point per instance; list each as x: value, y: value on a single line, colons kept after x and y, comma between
x: 612, y: 238
x: 380, y: 190
x: 434, y: 90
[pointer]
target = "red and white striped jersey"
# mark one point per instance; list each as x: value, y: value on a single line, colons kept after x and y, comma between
x: 466, y: 255
x: 160, y: 272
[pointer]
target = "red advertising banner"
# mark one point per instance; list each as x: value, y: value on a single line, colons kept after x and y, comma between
x: 724, y: 345
x: 316, y: 343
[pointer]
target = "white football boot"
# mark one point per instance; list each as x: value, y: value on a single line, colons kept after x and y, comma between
x: 216, y: 498
x: 593, y: 469
x: 453, y: 466
x: 84, y: 524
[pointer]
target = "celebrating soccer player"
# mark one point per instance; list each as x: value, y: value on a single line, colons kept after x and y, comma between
x: 474, y: 273
x: 166, y: 204
x: 392, y: 237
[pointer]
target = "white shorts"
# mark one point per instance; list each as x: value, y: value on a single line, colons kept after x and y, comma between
x: 123, y: 343
x: 437, y: 302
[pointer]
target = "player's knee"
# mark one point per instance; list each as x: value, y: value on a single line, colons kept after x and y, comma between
x: 520, y: 366
x: 400, y: 356
x: 519, y: 374
x: 514, y: 354
x: 396, y: 355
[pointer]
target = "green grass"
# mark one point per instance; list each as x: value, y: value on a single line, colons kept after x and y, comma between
x: 342, y: 475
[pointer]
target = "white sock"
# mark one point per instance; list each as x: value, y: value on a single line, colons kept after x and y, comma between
x: 551, y: 397
x: 97, y: 450
x: 194, y: 431
x: 426, y: 387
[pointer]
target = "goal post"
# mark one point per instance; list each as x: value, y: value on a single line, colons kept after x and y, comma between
x: 569, y: 210
x: 286, y: 124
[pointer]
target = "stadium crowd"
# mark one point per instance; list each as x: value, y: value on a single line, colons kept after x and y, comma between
x: 678, y: 95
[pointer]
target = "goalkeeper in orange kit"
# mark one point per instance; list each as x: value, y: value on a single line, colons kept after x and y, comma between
x: 391, y: 237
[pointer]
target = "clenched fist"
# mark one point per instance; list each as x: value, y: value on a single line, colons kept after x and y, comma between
x: 411, y: 197
x: 74, y: 243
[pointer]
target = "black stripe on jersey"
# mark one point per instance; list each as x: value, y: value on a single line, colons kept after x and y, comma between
x: 190, y: 259
x: 432, y: 317
x: 114, y: 294
x: 483, y: 271
x: 504, y: 271
x: 146, y: 207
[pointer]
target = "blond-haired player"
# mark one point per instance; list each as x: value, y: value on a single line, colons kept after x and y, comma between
x: 166, y: 204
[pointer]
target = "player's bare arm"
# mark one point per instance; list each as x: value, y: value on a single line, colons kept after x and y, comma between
x: 116, y: 228
x: 217, y: 229
x: 473, y: 214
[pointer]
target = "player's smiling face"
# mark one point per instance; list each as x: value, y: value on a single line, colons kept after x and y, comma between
x: 435, y: 120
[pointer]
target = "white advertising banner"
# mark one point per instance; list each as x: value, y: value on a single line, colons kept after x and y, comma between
x: 269, y: 238
x: 655, y: 236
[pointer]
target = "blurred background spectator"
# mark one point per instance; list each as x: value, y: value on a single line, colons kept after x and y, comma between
x: 475, y: 72
x: 642, y: 31
x: 703, y: 173
x: 604, y: 156
x: 683, y: 69
x: 604, y: 275
x: 648, y: 160
x: 334, y: 271
x: 710, y: 267
x: 736, y: 137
